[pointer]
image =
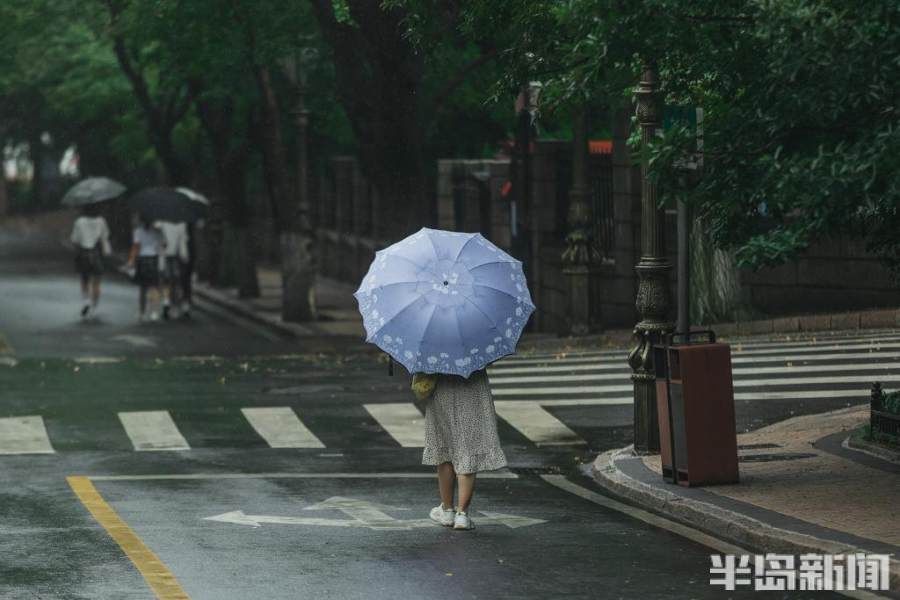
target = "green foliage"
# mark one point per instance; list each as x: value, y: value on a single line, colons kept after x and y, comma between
x: 891, y: 402
x: 801, y: 124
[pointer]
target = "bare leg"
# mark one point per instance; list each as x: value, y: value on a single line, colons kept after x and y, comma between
x: 446, y: 482
x: 85, y: 285
x: 466, y: 489
x: 95, y: 290
x: 143, y: 299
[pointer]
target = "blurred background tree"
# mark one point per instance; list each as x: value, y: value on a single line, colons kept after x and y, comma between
x: 801, y: 132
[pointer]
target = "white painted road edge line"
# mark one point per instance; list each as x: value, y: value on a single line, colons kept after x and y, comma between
x: 24, y: 435
x: 152, y: 430
x: 684, y: 531
x: 190, y: 476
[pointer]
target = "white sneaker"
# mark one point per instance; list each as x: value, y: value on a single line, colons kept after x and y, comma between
x: 154, y: 316
x: 443, y: 516
x: 462, y: 521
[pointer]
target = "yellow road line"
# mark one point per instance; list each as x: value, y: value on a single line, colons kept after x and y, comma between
x: 155, y: 572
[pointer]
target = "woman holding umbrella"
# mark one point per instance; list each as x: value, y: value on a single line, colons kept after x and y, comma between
x: 445, y: 305
x: 90, y: 234
x: 147, y: 245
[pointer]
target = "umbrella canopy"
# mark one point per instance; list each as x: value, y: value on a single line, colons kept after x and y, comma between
x: 92, y: 190
x: 195, y: 196
x: 444, y: 302
x: 167, y: 204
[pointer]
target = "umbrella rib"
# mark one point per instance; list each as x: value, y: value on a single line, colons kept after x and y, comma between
x: 496, y: 262
x: 406, y: 258
x: 503, y: 292
x: 387, y: 285
x: 398, y: 313
x: 489, y: 319
x: 463, y: 247
x: 434, y: 248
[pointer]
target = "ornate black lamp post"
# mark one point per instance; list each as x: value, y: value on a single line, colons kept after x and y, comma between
x: 298, y: 264
x: 653, y: 300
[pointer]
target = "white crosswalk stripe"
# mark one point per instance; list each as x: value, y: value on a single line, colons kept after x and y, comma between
x: 536, y: 424
x: 532, y: 393
x: 826, y: 367
x: 24, y: 435
x: 402, y: 420
x: 152, y: 430
x: 281, y: 428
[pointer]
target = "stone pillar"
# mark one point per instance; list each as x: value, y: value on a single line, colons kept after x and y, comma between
x: 652, y: 301
x: 298, y: 269
x: 581, y: 256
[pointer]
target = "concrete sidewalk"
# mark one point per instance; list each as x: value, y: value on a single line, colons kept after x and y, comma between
x: 803, y: 489
x: 338, y: 315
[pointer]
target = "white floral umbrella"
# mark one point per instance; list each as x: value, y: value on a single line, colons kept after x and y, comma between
x: 444, y: 302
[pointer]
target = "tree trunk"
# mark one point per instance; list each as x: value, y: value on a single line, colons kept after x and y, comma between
x: 297, y: 269
x: 298, y: 277
x: 4, y: 193
x: 239, y: 253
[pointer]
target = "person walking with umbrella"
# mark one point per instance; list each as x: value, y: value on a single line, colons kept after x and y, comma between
x: 445, y: 305
x: 147, y: 246
x: 175, y: 255
x: 90, y: 235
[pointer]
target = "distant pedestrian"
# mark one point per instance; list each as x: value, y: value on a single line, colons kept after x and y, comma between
x: 187, y: 270
x: 90, y: 236
x: 175, y: 256
x: 147, y: 247
x: 460, y: 439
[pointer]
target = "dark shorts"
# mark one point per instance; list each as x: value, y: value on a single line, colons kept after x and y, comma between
x: 89, y: 262
x: 147, y: 271
x: 172, y: 271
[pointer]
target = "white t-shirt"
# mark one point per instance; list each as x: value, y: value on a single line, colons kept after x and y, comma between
x: 175, y: 236
x: 88, y: 231
x: 150, y: 242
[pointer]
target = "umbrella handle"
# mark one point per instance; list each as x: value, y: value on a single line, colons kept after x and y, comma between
x: 390, y: 366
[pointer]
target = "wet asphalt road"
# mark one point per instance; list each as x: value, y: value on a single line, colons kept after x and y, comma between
x: 279, y: 526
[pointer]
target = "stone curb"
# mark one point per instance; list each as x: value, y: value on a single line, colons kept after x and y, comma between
x: 292, y: 330
x: 719, y: 522
x: 872, y: 449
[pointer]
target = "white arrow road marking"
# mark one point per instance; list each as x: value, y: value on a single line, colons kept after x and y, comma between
x: 364, y: 514
x: 511, y: 521
x: 138, y: 341
x: 368, y: 513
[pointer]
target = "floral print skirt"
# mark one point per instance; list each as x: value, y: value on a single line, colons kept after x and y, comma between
x: 461, y: 426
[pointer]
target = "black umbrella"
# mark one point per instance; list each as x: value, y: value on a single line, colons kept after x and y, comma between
x: 92, y: 190
x: 166, y: 204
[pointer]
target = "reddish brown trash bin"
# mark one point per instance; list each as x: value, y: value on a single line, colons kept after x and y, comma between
x: 695, y: 402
